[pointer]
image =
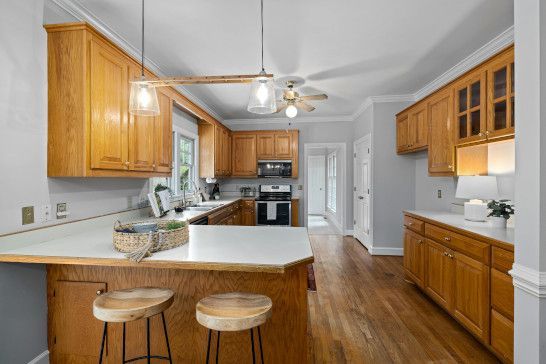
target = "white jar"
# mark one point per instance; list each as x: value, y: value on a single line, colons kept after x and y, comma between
x: 497, y: 222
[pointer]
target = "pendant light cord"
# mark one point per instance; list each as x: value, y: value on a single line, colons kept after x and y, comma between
x: 142, y: 60
x: 262, y: 22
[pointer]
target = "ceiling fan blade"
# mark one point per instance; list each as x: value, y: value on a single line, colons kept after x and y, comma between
x: 305, y: 106
x: 314, y: 97
x: 281, y: 108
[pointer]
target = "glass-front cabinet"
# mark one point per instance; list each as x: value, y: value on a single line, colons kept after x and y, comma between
x: 470, y: 108
x: 501, y: 96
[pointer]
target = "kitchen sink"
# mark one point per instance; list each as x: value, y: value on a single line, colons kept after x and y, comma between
x: 199, y: 208
x: 211, y: 205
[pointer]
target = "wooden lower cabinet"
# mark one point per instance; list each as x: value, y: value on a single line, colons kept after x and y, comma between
x: 467, y: 277
x: 414, y: 257
x: 69, y: 300
x: 248, y: 213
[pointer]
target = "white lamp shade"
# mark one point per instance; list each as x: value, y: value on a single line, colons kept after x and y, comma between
x: 143, y: 99
x: 477, y: 187
x: 262, y: 96
x: 291, y: 111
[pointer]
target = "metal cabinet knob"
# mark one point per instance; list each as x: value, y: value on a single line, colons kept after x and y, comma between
x: 447, y: 238
x: 127, y: 163
x: 99, y: 292
x: 445, y: 254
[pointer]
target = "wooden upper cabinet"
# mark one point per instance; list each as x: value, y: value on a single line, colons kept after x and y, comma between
x: 441, y: 150
x: 163, y: 134
x: 418, y: 127
x: 471, y: 294
x: 402, y: 137
x: 283, y: 145
x: 414, y: 256
x: 244, y: 155
x: 265, y: 146
x: 108, y: 87
x: 470, y: 107
x: 501, y: 96
x: 90, y: 130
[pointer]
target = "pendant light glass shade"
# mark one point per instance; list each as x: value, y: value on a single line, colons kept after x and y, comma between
x: 143, y: 99
x: 291, y: 111
x: 262, y: 96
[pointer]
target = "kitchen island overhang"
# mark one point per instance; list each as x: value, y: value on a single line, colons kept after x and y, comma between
x: 266, y: 260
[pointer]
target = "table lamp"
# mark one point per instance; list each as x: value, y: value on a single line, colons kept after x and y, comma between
x: 477, y: 189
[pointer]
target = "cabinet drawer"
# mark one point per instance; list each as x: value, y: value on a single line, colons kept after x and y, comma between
x: 502, y: 293
x: 413, y: 224
x: 502, y: 260
x: 458, y: 242
x: 502, y: 335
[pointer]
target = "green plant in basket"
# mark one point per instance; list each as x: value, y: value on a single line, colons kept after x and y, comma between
x: 173, y: 225
x: 500, y: 209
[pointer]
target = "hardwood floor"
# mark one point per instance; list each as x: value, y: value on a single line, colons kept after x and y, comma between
x: 364, y: 312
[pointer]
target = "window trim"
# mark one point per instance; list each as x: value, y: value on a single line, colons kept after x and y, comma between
x: 175, y: 183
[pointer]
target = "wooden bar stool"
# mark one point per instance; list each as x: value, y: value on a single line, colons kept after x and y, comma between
x: 234, y: 312
x: 131, y: 305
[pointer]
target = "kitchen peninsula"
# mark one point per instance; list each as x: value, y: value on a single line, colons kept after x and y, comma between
x: 83, y: 263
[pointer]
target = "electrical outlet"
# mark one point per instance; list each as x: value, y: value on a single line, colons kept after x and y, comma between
x: 27, y: 213
x: 45, y: 213
x: 300, y: 187
x: 439, y: 193
x: 62, y: 212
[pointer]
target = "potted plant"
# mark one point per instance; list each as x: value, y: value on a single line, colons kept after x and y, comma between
x: 500, y: 212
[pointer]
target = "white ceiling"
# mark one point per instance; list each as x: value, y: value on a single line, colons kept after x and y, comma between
x: 348, y: 49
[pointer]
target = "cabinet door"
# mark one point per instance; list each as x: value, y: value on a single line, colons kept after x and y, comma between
x: 109, y: 108
x: 218, y: 149
x: 226, y: 153
x: 471, y: 294
x: 141, y: 138
x: 265, y: 145
x: 283, y: 145
x: 402, y: 140
x: 244, y: 155
x: 501, y: 96
x: 163, y: 130
x: 248, y: 213
x: 439, y: 273
x: 418, y: 127
x: 441, y: 151
x: 470, y: 101
x: 414, y: 257
x: 75, y: 329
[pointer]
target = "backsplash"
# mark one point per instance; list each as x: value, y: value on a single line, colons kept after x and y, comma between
x: 231, y: 187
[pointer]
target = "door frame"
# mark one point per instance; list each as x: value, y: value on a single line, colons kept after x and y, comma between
x: 366, y: 138
x: 323, y: 158
x: 342, y: 168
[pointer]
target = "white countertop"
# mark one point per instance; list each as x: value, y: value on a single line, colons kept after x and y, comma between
x: 505, y: 235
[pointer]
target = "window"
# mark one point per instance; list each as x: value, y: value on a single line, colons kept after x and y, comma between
x: 184, y: 165
x: 331, y: 182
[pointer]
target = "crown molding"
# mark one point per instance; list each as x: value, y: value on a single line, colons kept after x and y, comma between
x: 296, y: 120
x: 382, y: 99
x: 529, y: 280
x: 485, y: 52
x: 81, y: 13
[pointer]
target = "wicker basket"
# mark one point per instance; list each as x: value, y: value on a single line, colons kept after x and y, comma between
x: 161, y: 239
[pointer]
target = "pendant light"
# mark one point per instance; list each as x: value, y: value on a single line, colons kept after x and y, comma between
x: 143, y: 97
x: 262, y: 90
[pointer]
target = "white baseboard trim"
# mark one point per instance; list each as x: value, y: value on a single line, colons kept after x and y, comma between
x: 349, y: 232
x: 529, y: 280
x: 386, y: 251
x: 43, y: 358
x: 332, y: 218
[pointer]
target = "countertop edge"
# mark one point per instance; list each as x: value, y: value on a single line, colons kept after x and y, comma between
x: 492, y: 241
x: 159, y: 264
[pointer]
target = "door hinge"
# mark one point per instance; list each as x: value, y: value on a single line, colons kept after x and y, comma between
x: 368, y: 191
x: 368, y: 150
x: 55, y: 340
x: 354, y: 222
x: 354, y: 155
x: 354, y: 188
x: 53, y: 293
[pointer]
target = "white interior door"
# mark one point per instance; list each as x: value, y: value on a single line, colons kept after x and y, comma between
x: 317, y: 185
x: 362, y: 191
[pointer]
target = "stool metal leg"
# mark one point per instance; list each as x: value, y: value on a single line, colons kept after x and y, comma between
x: 261, y: 349
x: 252, y: 343
x: 166, y: 337
x: 208, y: 346
x: 148, y: 338
x: 124, y: 335
x: 217, y: 346
x: 103, y: 341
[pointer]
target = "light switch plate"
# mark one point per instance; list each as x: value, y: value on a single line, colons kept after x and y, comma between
x: 28, y: 215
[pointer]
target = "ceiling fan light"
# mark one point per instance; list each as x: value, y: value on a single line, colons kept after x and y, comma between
x: 262, y: 96
x: 143, y: 99
x: 291, y: 111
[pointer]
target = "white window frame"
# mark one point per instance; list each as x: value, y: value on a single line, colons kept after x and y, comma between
x: 174, y: 181
x: 331, y: 182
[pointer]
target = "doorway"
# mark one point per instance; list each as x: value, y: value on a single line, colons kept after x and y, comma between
x: 362, y: 191
x: 324, y: 204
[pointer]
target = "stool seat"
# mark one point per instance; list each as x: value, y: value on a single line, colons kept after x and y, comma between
x: 233, y: 311
x: 132, y: 304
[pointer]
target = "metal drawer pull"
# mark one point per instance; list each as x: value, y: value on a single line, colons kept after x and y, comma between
x: 99, y: 292
x: 447, y: 238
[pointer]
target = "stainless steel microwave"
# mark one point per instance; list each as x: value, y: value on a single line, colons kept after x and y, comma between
x: 275, y: 169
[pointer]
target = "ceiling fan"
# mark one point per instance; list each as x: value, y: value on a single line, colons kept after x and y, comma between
x: 291, y: 101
